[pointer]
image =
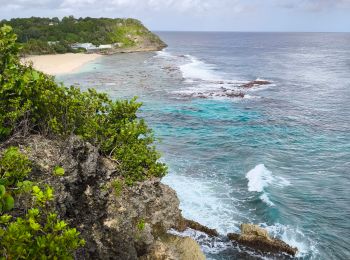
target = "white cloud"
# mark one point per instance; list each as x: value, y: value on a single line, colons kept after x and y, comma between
x: 180, y: 6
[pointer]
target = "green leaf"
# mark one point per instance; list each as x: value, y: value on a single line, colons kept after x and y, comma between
x: 8, y: 202
x: 35, y: 75
x: 2, y: 191
x: 58, y: 171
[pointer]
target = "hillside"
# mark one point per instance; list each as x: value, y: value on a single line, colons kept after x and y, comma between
x: 52, y: 35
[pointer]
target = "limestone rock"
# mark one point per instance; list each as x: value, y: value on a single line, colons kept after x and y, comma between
x: 255, y: 237
x: 187, y: 223
x: 123, y: 225
x: 171, y: 247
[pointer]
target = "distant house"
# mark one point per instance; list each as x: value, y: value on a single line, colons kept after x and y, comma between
x: 87, y: 46
x: 105, y: 46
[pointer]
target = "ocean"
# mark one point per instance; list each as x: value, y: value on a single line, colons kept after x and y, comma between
x: 278, y: 157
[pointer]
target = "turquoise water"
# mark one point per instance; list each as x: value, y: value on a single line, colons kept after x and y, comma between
x: 280, y: 157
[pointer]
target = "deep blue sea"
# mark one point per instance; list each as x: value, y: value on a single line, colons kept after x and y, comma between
x: 279, y: 157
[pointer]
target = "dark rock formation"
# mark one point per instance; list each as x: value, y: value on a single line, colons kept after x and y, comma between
x: 124, y: 224
x: 255, y: 83
x: 186, y: 223
x: 255, y: 237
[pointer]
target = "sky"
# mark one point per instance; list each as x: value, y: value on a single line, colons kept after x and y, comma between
x: 199, y: 15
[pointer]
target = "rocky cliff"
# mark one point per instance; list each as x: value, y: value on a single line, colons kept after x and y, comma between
x: 116, y: 221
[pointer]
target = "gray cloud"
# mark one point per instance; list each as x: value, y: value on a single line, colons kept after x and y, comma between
x: 314, y: 5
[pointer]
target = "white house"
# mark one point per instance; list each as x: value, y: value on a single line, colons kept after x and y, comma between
x: 87, y: 46
x: 105, y: 46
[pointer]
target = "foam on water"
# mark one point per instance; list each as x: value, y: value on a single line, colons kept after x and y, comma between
x: 260, y: 178
x: 207, y: 203
x: 294, y: 237
x: 209, y: 245
x: 164, y: 54
x: 267, y: 200
x: 198, y: 70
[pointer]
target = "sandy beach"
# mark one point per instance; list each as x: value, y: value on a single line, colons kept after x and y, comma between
x: 60, y: 63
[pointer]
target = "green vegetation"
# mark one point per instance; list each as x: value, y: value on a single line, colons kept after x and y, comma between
x: 117, y: 185
x: 32, y: 103
x: 46, y: 35
x: 58, y: 171
x: 39, y: 233
x: 141, y: 224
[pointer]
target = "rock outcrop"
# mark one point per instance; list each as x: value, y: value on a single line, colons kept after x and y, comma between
x: 171, y: 247
x: 257, y: 238
x: 254, y: 83
x: 117, y: 221
x: 187, y: 223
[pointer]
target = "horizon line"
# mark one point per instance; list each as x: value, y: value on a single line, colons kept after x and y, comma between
x: 227, y: 31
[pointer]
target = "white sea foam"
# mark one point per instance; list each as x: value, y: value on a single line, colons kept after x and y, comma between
x: 209, y: 245
x: 164, y: 54
x: 294, y: 237
x: 199, y: 70
x: 267, y: 200
x: 204, y: 80
x: 206, y: 202
x: 260, y: 178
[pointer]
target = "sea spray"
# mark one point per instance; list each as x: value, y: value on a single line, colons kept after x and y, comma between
x: 260, y: 178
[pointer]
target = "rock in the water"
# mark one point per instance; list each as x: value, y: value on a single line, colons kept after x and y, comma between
x: 255, y: 83
x: 258, y: 238
x: 170, y: 247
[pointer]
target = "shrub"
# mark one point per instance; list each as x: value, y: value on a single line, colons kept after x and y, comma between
x: 14, y: 166
x: 39, y: 234
x: 31, y: 102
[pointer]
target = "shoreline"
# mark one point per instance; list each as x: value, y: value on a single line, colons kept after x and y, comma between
x: 57, y: 64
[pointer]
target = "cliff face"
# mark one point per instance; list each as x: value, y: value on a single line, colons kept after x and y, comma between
x: 117, y: 222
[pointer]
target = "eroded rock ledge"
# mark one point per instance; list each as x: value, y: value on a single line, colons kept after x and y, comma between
x: 258, y: 238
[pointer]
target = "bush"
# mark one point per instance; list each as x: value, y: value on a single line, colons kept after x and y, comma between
x: 38, y: 234
x: 31, y: 102
x: 14, y: 166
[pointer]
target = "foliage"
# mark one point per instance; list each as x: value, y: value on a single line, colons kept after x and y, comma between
x: 6, y: 200
x: 46, y: 35
x: 117, y: 185
x: 141, y: 224
x: 39, y: 234
x: 32, y: 102
x: 14, y: 166
x: 58, y: 171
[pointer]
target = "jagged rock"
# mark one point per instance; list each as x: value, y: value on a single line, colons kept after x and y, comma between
x: 255, y: 83
x: 258, y: 238
x: 170, y: 247
x: 125, y: 225
x: 186, y: 223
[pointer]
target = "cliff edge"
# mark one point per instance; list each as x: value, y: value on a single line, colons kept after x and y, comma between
x: 116, y: 221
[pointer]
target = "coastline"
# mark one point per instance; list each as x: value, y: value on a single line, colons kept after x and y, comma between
x: 56, y: 64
